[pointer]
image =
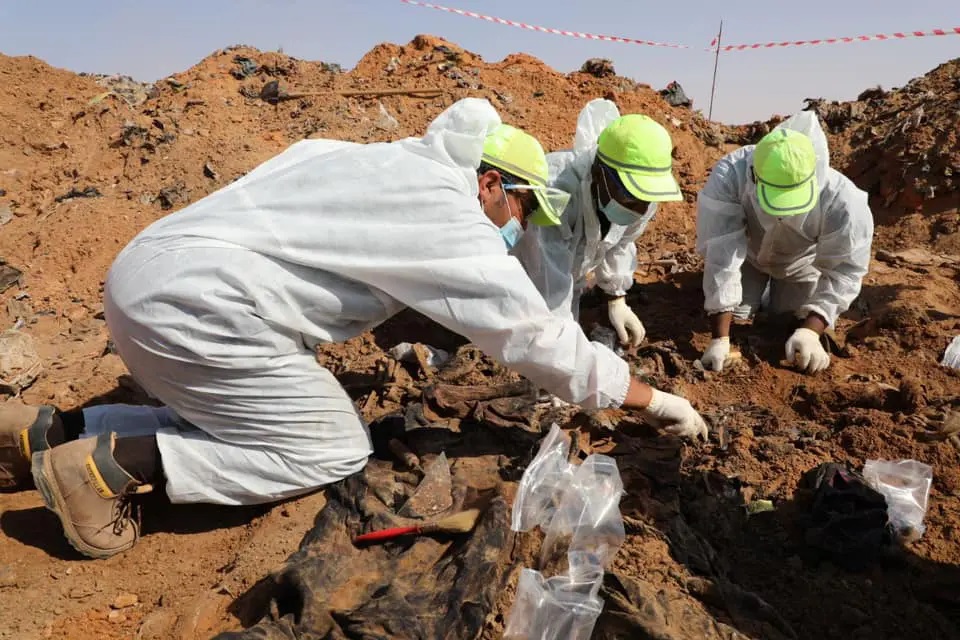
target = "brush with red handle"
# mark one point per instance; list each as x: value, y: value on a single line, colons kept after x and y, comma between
x: 458, y: 523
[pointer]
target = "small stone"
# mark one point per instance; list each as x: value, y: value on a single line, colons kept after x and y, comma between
x: 6, y: 214
x: 125, y: 600
x: 116, y: 617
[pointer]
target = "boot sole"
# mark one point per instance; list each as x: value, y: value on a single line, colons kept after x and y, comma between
x: 41, y: 469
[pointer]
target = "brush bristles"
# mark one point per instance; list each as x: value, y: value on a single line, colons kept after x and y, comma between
x: 458, y: 523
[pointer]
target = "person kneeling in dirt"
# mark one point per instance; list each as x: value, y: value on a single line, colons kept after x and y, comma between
x: 216, y: 311
x: 620, y: 168
x: 779, y: 229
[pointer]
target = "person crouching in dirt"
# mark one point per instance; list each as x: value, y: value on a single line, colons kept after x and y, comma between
x: 216, y: 310
x: 779, y: 229
x: 618, y: 171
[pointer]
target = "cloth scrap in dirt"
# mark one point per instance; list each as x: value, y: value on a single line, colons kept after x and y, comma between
x: 846, y: 521
x: 423, y: 587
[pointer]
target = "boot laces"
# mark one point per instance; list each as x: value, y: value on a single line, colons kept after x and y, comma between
x: 125, y: 512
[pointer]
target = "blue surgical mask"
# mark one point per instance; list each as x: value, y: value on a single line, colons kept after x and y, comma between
x: 513, y: 230
x: 613, y: 210
x: 619, y: 214
x: 511, y: 233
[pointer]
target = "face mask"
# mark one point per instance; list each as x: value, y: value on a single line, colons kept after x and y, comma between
x: 619, y: 214
x: 511, y: 233
x: 614, y: 211
x: 513, y: 230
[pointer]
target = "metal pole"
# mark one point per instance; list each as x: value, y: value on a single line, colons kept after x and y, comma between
x: 716, y: 62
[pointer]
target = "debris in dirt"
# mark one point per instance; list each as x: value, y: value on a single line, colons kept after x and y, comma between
x: 86, y: 192
x: 434, y: 494
x: 19, y: 362
x: 125, y: 600
x: 951, y: 356
x: 127, y: 89
x: 406, y: 352
x: 209, y: 171
x: 598, y: 67
x: 3, y: 192
x: 608, y: 338
x: 171, y: 196
x: 944, y: 422
x: 906, y: 485
x: 675, y: 95
x: 845, y: 519
x: 116, y: 617
x: 385, y: 121
x: 245, y: 67
x: 403, y: 453
x: 20, y: 310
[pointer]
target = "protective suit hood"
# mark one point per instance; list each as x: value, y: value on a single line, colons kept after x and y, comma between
x: 456, y: 136
x: 571, y: 170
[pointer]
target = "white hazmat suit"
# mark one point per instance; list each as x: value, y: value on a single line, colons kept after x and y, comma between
x: 558, y: 259
x: 813, y: 263
x: 215, y: 309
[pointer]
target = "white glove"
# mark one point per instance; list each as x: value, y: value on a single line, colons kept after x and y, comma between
x: 625, y: 320
x: 715, y: 357
x: 805, y: 350
x: 676, y: 415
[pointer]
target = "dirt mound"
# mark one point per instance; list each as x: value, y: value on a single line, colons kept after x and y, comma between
x: 903, y: 148
x: 88, y: 161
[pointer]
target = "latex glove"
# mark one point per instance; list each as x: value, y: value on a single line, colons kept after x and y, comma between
x: 806, y: 351
x: 715, y: 357
x: 676, y: 415
x: 624, y: 320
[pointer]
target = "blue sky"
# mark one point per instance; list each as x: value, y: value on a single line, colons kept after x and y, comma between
x: 149, y: 40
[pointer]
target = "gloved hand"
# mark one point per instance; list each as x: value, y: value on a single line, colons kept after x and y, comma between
x: 625, y: 320
x: 676, y: 415
x: 715, y: 356
x: 805, y: 350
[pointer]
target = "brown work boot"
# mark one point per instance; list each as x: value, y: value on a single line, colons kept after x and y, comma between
x: 23, y: 431
x: 82, y: 483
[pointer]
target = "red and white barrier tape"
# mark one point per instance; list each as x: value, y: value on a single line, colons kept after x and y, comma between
x: 532, y: 27
x: 899, y: 35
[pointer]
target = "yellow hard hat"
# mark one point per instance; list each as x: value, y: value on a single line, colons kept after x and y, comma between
x: 785, y: 167
x: 640, y: 150
x: 520, y: 154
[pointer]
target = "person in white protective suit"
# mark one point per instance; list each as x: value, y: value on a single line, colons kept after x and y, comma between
x: 619, y: 170
x: 216, y: 311
x: 779, y: 228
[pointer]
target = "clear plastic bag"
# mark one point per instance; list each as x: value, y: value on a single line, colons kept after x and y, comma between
x: 906, y: 486
x: 589, y: 513
x: 554, y: 608
x: 543, y: 483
